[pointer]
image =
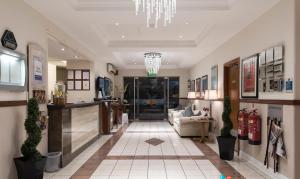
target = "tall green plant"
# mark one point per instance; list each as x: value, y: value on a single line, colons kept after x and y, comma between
x: 34, y: 133
x: 227, y: 124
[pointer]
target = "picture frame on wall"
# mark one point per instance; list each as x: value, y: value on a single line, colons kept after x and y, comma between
x: 198, y: 85
x: 37, y: 64
x: 249, y: 83
x: 204, y: 83
x: 214, y: 78
x: 193, y: 86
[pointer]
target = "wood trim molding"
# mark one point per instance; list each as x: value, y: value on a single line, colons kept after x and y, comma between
x: 202, y: 99
x: 13, y: 103
x: 257, y: 101
x: 271, y: 101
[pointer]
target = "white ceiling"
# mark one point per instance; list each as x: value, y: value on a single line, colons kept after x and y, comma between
x: 199, y: 27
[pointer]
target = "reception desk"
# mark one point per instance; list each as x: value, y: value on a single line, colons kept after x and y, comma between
x: 73, y: 127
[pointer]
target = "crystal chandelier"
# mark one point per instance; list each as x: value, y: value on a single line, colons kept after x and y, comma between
x: 157, y: 8
x: 152, y: 62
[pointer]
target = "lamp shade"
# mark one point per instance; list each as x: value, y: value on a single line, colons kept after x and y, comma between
x: 210, y: 95
x: 193, y: 95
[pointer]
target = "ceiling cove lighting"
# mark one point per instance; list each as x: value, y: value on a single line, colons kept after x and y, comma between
x: 152, y: 63
x: 157, y: 8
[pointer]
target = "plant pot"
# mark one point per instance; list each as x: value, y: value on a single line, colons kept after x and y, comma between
x: 226, y: 147
x: 29, y: 168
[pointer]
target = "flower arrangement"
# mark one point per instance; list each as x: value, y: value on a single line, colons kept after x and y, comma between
x: 206, y: 110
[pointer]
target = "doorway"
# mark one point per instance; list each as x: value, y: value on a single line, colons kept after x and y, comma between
x: 232, y: 88
x: 150, y: 98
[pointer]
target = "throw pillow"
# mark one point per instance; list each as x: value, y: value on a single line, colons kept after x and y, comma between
x: 196, y: 113
x: 188, y: 112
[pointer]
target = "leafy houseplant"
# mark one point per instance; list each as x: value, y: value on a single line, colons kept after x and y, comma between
x: 32, y: 164
x: 226, y: 141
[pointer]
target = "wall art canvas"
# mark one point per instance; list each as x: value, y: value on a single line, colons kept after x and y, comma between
x: 37, y: 64
x: 250, y: 77
x: 193, y: 85
x: 204, y: 83
x: 37, y: 69
x: 214, y: 78
x: 198, y: 84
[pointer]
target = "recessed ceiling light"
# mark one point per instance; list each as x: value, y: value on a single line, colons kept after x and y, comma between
x: 180, y: 36
x: 62, y: 49
x: 75, y: 56
x: 187, y: 23
x: 123, y: 36
x: 117, y: 23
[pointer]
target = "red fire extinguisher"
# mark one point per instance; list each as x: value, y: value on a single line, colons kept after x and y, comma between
x: 243, y: 124
x: 254, y: 128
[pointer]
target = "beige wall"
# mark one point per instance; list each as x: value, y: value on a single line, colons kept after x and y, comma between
x: 275, y: 26
x: 28, y: 26
x: 51, y: 78
x: 183, y: 74
x: 297, y: 89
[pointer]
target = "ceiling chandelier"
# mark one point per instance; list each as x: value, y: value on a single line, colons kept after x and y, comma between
x: 152, y: 63
x: 167, y: 8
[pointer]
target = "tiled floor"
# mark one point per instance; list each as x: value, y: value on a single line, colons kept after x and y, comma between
x: 156, y: 169
x: 244, y: 167
x: 172, y: 145
x: 69, y: 170
x: 148, y: 150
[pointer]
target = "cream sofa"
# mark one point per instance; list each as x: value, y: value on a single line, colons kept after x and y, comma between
x: 170, y: 115
x: 189, y: 126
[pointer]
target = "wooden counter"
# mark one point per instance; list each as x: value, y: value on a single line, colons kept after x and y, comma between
x: 73, y: 127
x: 105, y: 115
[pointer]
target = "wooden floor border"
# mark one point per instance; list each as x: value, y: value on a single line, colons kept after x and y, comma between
x: 89, y: 167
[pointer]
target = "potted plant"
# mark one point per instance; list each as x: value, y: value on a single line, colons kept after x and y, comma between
x: 226, y: 141
x: 32, y: 164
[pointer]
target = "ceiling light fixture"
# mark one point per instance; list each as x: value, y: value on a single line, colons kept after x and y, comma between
x: 62, y: 49
x: 117, y: 23
x: 180, y: 36
x: 152, y: 63
x: 123, y: 36
x: 157, y: 8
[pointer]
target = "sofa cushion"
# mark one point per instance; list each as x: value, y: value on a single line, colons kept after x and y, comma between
x: 188, y: 112
x: 197, y: 113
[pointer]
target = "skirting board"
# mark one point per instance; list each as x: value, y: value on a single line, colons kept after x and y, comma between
x: 257, y: 164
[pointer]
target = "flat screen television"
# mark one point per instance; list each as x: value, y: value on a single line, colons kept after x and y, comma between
x: 99, y: 83
x: 107, y: 86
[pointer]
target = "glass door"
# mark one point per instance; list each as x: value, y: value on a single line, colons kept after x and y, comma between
x: 151, y: 98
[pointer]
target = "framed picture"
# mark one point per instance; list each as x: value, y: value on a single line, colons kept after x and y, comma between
x: 70, y: 85
x: 37, y: 64
x: 193, y: 85
x: 250, y: 77
x: 78, y: 74
x: 214, y: 78
x: 78, y: 85
x: 198, y: 85
x: 71, y: 74
x: 204, y: 83
x: 86, y: 85
x: 85, y: 74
